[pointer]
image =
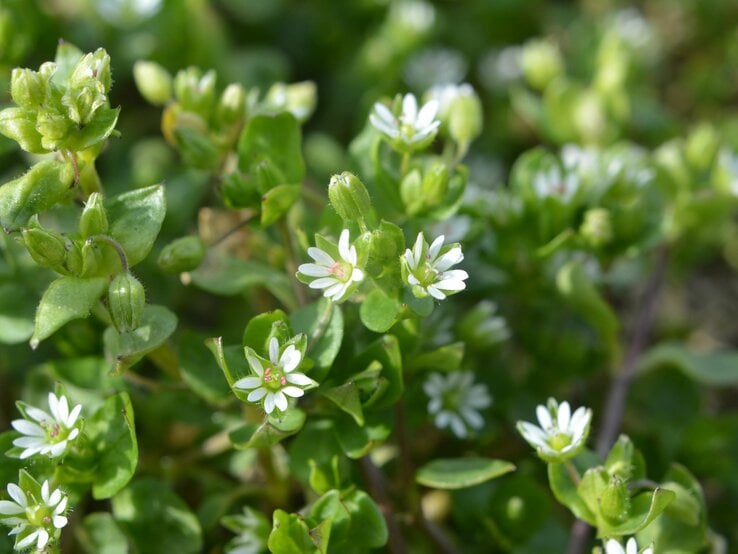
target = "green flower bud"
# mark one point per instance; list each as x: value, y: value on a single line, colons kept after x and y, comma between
x: 195, y: 92
x: 465, y: 118
x: 93, y: 261
x: 92, y: 67
x: 411, y: 192
x: 349, y: 197
x: 54, y: 129
x: 182, y: 254
x: 46, y: 247
x: 232, y: 105
x: 435, y: 184
x: 153, y: 82
x: 297, y: 98
x: 542, y: 63
x: 702, y: 147
x: 27, y: 88
x: 94, y: 220
x: 73, y: 260
x: 596, y: 228
x: 82, y: 102
x: 615, y: 501
x: 126, y: 301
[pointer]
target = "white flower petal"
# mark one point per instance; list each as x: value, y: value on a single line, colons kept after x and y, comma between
x: 27, y: 541
x: 280, y: 401
x: 435, y: 247
x: 54, y: 498
x: 254, y: 364
x: 247, y: 383
x: 418, y: 250
x: 299, y: 379
x: 59, y: 521
x: 274, y: 350
x: 28, y: 428
x: 385, y: 114
x: 269, y: 403
x: 61, y: 506
x: 324, y: 282
x: 450, y: 258
x: 43, y: 538
x: 472, y: 417
x: 25, y: 442
x: 450, y: 285
x: 544, y: 418
x: 356, y: 275
x: 435, y: 293
x: 294, y: 392
x: 58, y: 449
x: 320, y: 256
x: 427, y: 114
x: 384, y: 127
x: 343, y: 245
x: 17, y: 494
x: 73, y: 415
x: 8, y: 508
x: 336, y: 291
x: 563, y: 416
x: 38, y: 415
x: 457, y: 426
x: 314, y: 270
x: 63, y: 409
x: 256, y: 395
x: 73, y: 434
x: 290, y: 358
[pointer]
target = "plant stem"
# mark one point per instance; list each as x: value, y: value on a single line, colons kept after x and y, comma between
x: 618, y: 392
x: 116, y: 245
x: 248, y: 217
x: 291, y: 262
x: 573, y: 473
x: 375, y: 484
x: 404, y: 165
x: 321, y: 326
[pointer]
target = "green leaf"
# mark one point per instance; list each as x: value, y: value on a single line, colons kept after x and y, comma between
x: 459, y: 473
x: 290, y: 535
x: 386, y: 352
x: 357, y: 441
x: 43, y: 186
x: 135, y: 220
x: 19, y: 124
x: 127, y: 348
x: 156, y: 519
x: 111, y: 432
x: 379, y: 312
x: 368, y: 527
x: 227, y: 276
x: 709, y: 368
x: 232, y: 362
x: 565, y: 491
x: 322, y: 323
x: 277, y: 201
x: 645, y: 507
x: 583, y: 296
x: 200, y: 371
x: 197, y: 148
x: 447, y: 358
x: 258, y: 329
x: 66, y: 299
x: 346, y: 397
x: 99, y: 534
x: 274, y: 429
x: 278, y: 140
x: 96, y: 131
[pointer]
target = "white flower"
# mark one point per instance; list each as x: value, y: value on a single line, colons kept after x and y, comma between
x: 556, y: 184
x: 335, y: 276
x: 430, y: 273
x: 34, y: 520
x: 614, y: 547
x: 446, y: 94
x: 412, y: 128
x: 47, y: 434
x: 561, y: 434
x: 278, y: 380
x: 455, y: 401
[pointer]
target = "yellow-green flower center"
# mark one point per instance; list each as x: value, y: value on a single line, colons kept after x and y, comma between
x: 274, y: 378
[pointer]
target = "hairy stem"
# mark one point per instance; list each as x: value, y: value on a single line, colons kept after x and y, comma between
x: 116, y: 245
x: 291, y: 262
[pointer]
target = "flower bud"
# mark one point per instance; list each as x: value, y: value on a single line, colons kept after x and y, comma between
x: 596, y: 228
x: 465, y: 118
x: 46, y: 247
x: 615, y: 501
x: 153, y: 82
x: 541, y: 61
x: 195, y: 92
x: 349, y: 197
x: 27, y: 88
x: 126, y: 301
x: 435, y: 184
x: 53, y: 128
x: 92, y: 67
x: 92, y: 260
x: 83, y: 102
x: 94, y: 220
x: 411, y: 192
x: 297, y: 98
x: 182, y: 254
x: 232, y: 105
x: 73, y: 260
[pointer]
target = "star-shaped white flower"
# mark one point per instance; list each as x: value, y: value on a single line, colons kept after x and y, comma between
x: 561, y: 434
x: 412, y: 129
x: 455, y: 401
x: 555, y: 183
x: 47, y: 434
x: 614, y: 547
x: 427, y: 269
x: 273, y: 384
x: 334, y: 276
x: 34, y: 520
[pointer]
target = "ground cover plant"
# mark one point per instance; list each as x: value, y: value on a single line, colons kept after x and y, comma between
x: 401, y: 277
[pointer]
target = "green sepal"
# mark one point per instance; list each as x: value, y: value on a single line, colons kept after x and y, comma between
x: 19, y: 124
x: 274, y: 429
x: 290, y: 535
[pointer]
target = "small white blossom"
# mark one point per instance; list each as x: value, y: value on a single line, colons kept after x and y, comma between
x: 561, y: 434
x: 455, y: 401
x: 614, y: 547
x: 335, y: 276
x: 447, y: 93
x: 429, y: 270
x: 47, y: 434
x: 278, y: 380
x: 412, y: 128
x: 555, y: 183
x: 34, y: 521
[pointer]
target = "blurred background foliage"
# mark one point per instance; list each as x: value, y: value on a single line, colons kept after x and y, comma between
x: 544, y: 71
